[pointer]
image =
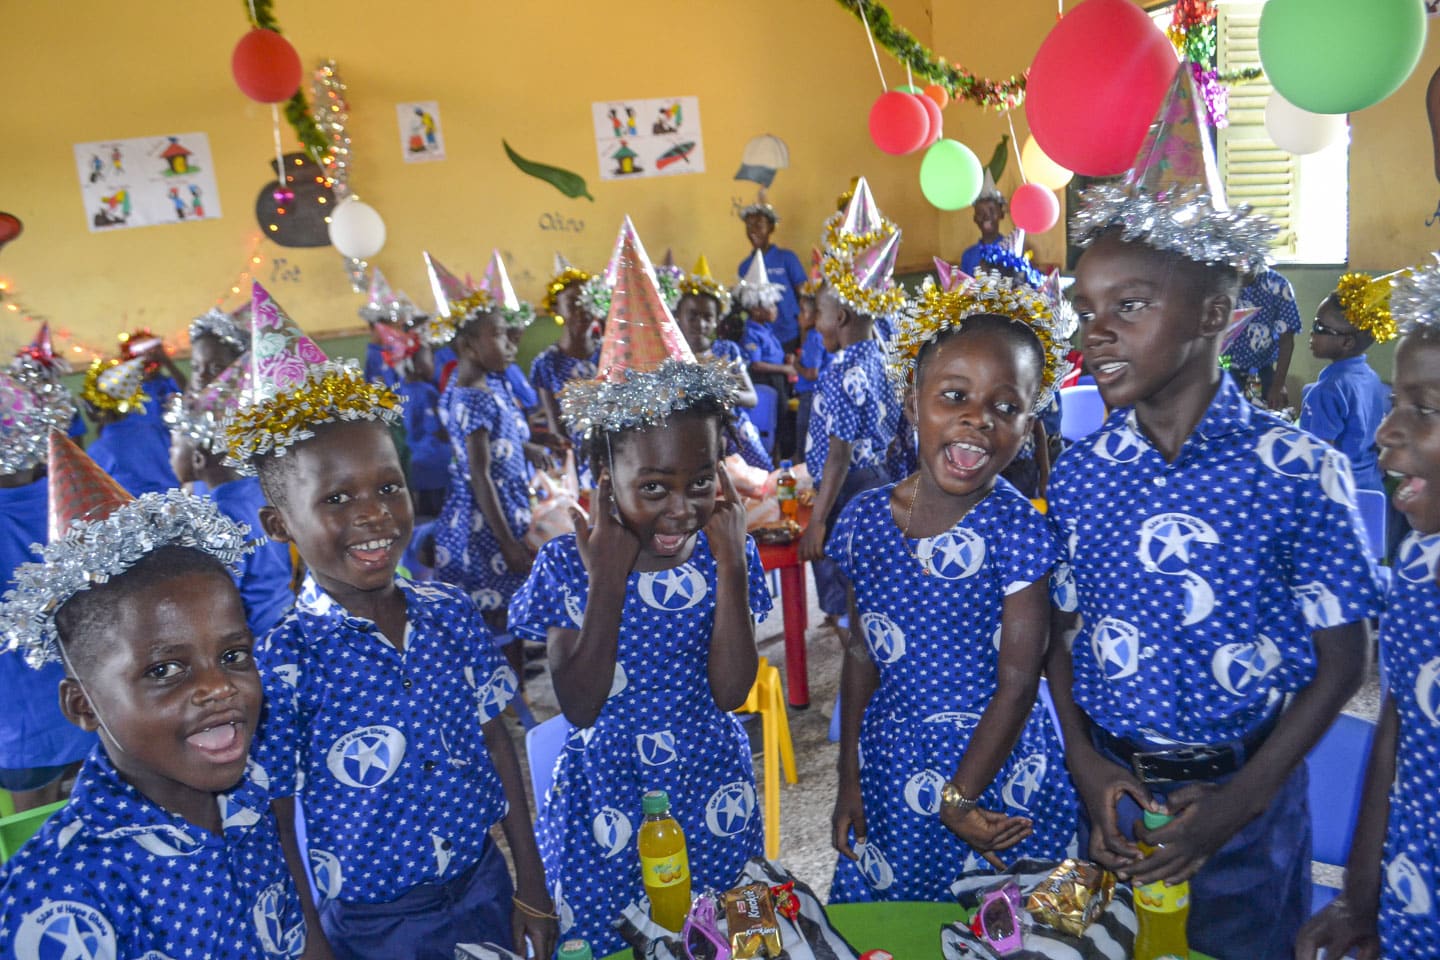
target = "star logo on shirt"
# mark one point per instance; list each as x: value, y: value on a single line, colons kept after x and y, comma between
x: 1166, y: 541
x: 1337, y: 479
x: 656, y: 749
x: 1116, y: 647
x: 366, y: 757
x: 953, y: 555
x: 1417, y: 559
x: 1290, y: 453
x: 1427, y: 690
x: 922, y: 792
x: 678, y: 588
x: 65, y: 930
x: 729, y: 809
x: 1406, y: 882
x: 270, y: 914
x: 887, y: 641
x: 325, y: 868
x: 874, y: 867
x: 1118, y: 446
x: 1319, y: 605
x: 612, y: 830
x: 1023, y: 782
x: 1237, y: 666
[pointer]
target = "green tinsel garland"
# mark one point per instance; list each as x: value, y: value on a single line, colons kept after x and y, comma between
x: 959, y: 82
x: 261, y: 14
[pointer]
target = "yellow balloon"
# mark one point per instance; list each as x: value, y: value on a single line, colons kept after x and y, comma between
x: 1041, y: 169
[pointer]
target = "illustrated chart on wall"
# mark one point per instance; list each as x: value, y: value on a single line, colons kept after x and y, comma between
x: 421, y: 138
x: 648, y: 138
x: 147, y: 181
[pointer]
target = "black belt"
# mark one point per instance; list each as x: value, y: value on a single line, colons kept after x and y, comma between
x: 1188, y: 763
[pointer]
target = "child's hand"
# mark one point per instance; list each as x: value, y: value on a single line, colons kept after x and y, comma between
x: 518, y: 557
x: 1102, y: 784
x: 544, y: 932
x: 726, y: 529
x: 849, y: 815
x: 1206, y: 817
x: 609, y: 540
x: 1338, y: 928
x: 986, y: 830
x: 812, y: 541
x: 538, y: 456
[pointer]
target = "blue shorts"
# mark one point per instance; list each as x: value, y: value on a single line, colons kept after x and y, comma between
x: 427, y: 920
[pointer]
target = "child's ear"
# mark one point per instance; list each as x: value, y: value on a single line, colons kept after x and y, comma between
x: 1217, y: 309
x: 75, y: 705
x: 272, y: 521
x: 912, y: 405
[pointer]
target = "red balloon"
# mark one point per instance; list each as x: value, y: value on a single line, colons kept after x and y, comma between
x: 937, y: 122
x: 266, y: 66
x: 1096, y: 85
x: 899, y: 123
x: 1034, y: 208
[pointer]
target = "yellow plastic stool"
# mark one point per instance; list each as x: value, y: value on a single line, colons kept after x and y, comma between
x: 768, y: 699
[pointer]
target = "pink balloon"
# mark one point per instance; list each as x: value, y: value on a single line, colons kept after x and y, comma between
x: 937, y: 121
x: 1034, y: 208
x: 1096, y: 85
x: 899, y: 123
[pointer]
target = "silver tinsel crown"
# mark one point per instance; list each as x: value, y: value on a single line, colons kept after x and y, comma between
x: 1415, y: 298
x: 92, y: 552
x: 222, y: 326
x: 25, y: 442
x: 645, y: 399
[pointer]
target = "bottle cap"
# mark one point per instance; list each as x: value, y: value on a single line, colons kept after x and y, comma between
x: 785, y: 464
x: 1154, y: 821
x: 575, y: 950
x: 655, y: 801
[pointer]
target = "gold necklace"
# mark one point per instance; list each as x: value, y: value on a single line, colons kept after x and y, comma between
x: 905, y: 531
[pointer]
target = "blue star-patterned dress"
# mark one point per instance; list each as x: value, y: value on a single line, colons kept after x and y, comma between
x: 659, y: 730
x: 853, y: 401
x: 748, y: 443
x: 1410, y: 659
x: 934, y: 637
x: 384, y: 748
x: 112, y: 874
x: 1258, y: 345
x: 466, y: 551
x: 552, y: 369
x: 1199, y: 582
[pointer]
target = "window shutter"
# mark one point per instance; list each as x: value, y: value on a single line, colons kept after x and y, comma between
x: 1254, y: 170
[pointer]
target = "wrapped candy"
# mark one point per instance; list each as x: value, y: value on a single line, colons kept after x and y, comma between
x: 1071, y: 896
x: 750, y: 920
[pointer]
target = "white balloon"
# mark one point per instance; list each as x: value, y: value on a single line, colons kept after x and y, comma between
x: 1300, y: 131
x: 357, y: 230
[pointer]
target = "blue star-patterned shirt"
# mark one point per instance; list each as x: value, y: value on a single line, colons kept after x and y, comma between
x: 747, y: 441
x: 112, y: 874
x: 1258, y: 345
x: 760, y: 344
x: 265, y: 573
x: 376, y: 369
x: 1200, y: 582
x: 384, y: 748
x: 1345, y: 406
x: 853, y: 401
x: 1410, y: 664
x: 813, y: 356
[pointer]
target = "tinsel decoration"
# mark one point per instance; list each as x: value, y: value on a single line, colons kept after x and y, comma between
x: 332, y: 116
x: 934, y: 312
x: 261, y: 13
x: 1415, y: 298
x: 111, y: 390
x: 559, y: 282
x: 922, y: 62
x: 92, y: 552
x: 638, y: 400
x: 32, y: 403
x: 1366, y: 303
x: 694, y: 285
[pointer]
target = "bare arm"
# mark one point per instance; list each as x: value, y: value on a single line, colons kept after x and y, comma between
x: 745, y: 395
x: 859, y: 679
x: 551, y: 409
x: 837, y: 466
x: 733, y: 661
x: 530, y: 886
x: 1278, y: 394
x: 316, y: 946
x: 1042, y: 458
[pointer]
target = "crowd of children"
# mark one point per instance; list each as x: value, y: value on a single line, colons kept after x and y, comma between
x: 308, y: 759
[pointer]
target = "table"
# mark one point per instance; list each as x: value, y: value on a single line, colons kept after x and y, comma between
x: 785, y: 558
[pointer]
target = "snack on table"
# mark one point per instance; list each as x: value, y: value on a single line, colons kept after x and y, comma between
x: 750, y: 918
x: 1071, y: 896
x: 787, y: 532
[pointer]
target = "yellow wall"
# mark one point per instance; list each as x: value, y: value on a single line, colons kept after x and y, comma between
x: 524, y: 71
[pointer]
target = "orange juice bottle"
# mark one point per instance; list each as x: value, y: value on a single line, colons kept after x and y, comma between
x: 1162, y: 911
x: 664, y: 862
x: 785, y: 492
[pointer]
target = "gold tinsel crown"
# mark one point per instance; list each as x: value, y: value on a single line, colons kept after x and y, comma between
x: 91, y: 393
x: 1366, y: 302
x: 559, y: 282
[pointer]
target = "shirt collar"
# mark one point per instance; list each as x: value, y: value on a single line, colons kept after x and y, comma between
x: 313, y: 600
x: 100, y: 793
x: 1336, y: 367
x: 1229, y: 412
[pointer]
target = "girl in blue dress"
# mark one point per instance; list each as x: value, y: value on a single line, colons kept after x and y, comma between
x: 1390, y: 903
x: 649, y: 616
x: 944, y: 751
x: 572, y: 357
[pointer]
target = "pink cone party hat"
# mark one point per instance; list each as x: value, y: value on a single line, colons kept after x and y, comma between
x: 1173, y: 199
x: 80, y: 491
x: 949, y: 276
x: 640, y: 332
x: 496, y: 282
x: 200, y: 417
x: 282, y: 353
x: 455, y: 300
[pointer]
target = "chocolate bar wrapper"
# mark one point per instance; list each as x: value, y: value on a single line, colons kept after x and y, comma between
x: 1071, y: 896
x: 750, y: 918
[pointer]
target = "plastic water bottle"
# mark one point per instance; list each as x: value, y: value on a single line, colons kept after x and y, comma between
x: 1162, y: 911
x: 664, y: 862
x: 785, y: 492
x: 575, y: 950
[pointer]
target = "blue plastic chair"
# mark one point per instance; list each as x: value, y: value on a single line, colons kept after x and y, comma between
x: 543, y: 743
x: 765, y: 414
x: 1082, y: 412
x: 1337, y: 777
x: 1084, y: 380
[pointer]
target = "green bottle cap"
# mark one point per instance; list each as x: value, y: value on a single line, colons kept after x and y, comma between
x: 1154, y: 821
x: 655, y: 802
x: 575, y: 950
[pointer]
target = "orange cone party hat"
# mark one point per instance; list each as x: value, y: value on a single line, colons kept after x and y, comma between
x: 647, y: 371
x: 98, y: 532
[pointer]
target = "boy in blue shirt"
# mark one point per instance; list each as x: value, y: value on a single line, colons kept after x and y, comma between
x: 384, y: 696
x: 811, y: 362
x: 1348, y: 400
x: 769, y: 364
x: 167, y: 847
x: 1264, y: 347
x: 133, y: 446
x: 38, y: 746
x: 855, y: 414
x: 1216, y: 559
x: 413, y: 363
x: 781, y: 266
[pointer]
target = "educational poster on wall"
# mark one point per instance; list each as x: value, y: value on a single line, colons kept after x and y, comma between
x: 147, y: 181
x: 635, y: 139
x: 421, y: 139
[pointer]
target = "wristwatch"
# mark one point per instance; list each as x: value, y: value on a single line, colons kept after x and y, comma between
x: 952, y: 798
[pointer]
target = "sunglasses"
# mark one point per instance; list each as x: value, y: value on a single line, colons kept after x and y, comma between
x: 1319, y: 329
x: 997, y: 922
x: 701, y: 934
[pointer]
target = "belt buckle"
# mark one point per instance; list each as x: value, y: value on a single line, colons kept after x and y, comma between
x: 1140, y: 762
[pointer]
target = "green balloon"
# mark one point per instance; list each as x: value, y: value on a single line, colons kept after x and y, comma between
x: 1339, y: 56
x: 909, y: 88
x: 951, y: 175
